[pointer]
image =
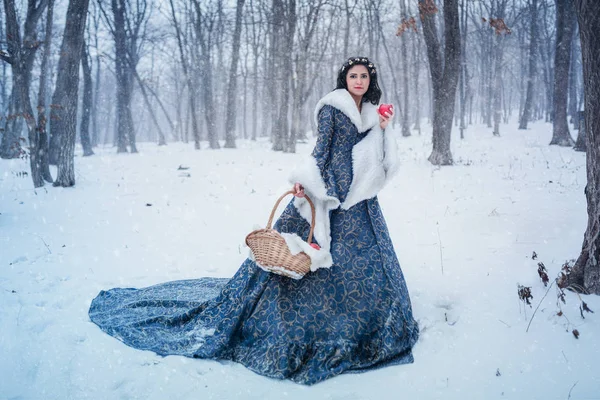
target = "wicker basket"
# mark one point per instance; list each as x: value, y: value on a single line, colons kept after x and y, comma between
x: 271, y: 252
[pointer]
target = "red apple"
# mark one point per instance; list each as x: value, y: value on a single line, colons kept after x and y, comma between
x: 315, y: 246
x: 385, y: 108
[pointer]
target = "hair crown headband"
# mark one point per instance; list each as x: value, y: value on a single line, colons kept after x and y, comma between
x: 360, y: 61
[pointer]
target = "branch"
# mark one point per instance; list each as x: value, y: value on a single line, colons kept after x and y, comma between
x: 5, y: 57
x: 538, y: 306
x: 39, y: 10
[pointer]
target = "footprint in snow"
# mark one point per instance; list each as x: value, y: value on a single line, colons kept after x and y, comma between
x: 19, y: 260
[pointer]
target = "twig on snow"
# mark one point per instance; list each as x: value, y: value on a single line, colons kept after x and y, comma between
x: 538, y: 306
x: 572, y: 389
x: 441, y: 252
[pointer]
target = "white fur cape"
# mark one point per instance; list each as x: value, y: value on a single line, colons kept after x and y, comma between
x: 374, y: 163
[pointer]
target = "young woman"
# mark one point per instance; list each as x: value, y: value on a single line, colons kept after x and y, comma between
x: 351, y: 314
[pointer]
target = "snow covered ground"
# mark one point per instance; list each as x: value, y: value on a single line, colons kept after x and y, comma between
x: 464, y: 236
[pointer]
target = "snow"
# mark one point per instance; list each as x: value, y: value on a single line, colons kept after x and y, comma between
x: 464, y: 236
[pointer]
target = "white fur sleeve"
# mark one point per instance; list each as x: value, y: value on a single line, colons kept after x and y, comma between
x: 390, y: 155
x: 309, y: 176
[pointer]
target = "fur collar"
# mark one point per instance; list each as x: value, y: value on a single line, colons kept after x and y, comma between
x: 343, y: 101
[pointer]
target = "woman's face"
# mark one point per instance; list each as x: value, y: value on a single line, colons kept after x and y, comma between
x: 358, y: 80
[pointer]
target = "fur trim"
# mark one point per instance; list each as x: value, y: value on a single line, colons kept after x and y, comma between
x: 343, y: 101
x: 309, y: 175
x: 318, y: 258
x: 374, y: 163
x: 390, y: 155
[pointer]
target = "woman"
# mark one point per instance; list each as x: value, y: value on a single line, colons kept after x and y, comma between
x: 352, y: 313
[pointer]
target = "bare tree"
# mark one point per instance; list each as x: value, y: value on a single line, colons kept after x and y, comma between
x: 125, y: 128
x: 464, y: 72
x: 565, y: 26
x: 4, y: 80
x: 586, y: 272
x: 501, y: 30
x: 254, y: 37
x: 290, y: 21
x: 21, y: 58
x: 279, y: 86
x: 128, y: 25
x: 417, y: 53
x: 533, y: 41
x: 43, y: 159
x: 231, y: 89
x: 95, y: 17
x: 21, y: 55
x: 63, y: 116
x: 86, y: 109
x: 161, y: 136
x: 306, y: 51
x: 205, y: 26
x: 403, y: 105
x: 546, y: 47
x: 574, y: 72
x: 444, y: 74
x: 187, y: 76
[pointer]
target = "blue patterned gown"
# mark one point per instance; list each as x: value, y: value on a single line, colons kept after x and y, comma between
x: 351, y: 317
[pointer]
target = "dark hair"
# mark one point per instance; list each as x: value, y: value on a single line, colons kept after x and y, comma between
x: 373, y: 93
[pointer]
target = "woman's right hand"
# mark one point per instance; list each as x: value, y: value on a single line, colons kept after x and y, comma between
x: 298, y: 190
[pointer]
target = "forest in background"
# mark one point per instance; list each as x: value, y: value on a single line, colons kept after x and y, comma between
x: 214, y: 70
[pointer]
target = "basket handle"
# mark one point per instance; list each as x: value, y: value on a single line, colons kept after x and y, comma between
x: 312, y: 211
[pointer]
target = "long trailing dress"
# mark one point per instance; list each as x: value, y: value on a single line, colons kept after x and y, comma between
x: 351, y: 316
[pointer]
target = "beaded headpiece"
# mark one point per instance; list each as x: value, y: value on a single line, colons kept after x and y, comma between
x: 352, y: 61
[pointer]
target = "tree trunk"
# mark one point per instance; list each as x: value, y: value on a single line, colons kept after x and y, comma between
x: 499, y: 59
x: 533, y: 39
x: 161, y: 136
x: 254, y: 38
x: 277, y: 130
x: 416, y: 74
x: 129, y: 126
x: 164, y: 110
x: 3, y: 81
x: 548, y: 80
x: 63, y: 116
x: 580, y: 144
x: 43, y: 88
x: 209, y: 103
x: 573, y: 69
x: 188, y: 79
x: 405, y: 121
x: 565, y: 25
x: 400, y: 108
x: 287, y: 44
x: 347, y: 27
x: 123, y: 103
x: 463, y: 67
x: 586, y: 272
x: 444, y: 75
x: 21, y: 57
x: 255, y: 103
x: 206, y: 75
x: 86, y: 107
x: 231, y: 89
x: 21, y: 101
x: 489, y: 76
x: 95, y: 130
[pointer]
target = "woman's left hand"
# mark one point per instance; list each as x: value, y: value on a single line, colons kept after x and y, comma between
x: 384, y: 120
